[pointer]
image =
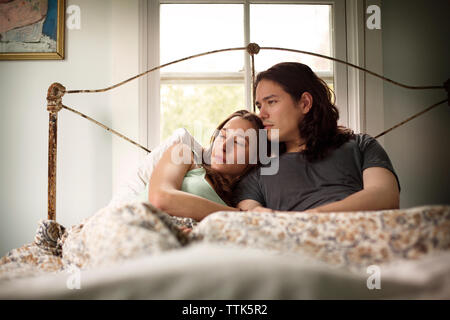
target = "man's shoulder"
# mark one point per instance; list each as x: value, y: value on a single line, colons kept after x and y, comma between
x: 360, y: 137
x: 356, y: 143
x: 254, y: 173
x: 359, y: 140
x: 364, y: 140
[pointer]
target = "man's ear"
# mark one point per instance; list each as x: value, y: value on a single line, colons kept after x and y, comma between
x: 306, y: 102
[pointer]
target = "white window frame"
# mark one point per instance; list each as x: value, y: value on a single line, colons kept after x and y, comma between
x: 348, y: 43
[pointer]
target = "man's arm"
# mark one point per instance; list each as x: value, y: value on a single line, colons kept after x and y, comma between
x: 248, y: 194
x: 251, y: 205
x: 380, y: 192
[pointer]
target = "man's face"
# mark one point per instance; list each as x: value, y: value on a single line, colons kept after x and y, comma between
x: 278, y: 110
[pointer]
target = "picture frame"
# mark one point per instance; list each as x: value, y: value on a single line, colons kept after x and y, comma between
x: 32, y: 29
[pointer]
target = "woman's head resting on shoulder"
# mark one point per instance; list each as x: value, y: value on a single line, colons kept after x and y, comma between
x: 234, y: 151
x: 235, y: 144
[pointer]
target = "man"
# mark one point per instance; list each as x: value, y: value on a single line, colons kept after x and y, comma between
x: 323, y: 167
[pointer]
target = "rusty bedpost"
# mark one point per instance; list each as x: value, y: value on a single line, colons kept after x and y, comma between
x: 253, y: 49
x: 447, y: 88
x: 54, y: 104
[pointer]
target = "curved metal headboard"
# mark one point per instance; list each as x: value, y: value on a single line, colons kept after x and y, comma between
x: 56, y: 91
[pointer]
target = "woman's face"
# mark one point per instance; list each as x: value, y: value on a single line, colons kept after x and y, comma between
x: 278, y: 110
x: 233, y: 146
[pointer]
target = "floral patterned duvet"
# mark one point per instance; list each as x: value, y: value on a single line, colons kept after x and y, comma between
x: 352, y: 240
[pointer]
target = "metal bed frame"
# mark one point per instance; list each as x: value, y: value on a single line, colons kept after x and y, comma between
x: 56, y: 91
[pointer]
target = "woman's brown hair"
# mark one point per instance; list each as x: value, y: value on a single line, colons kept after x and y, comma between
x: 319, y: 127
x: 222, y: 186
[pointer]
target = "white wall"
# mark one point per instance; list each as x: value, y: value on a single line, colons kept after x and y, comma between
x: 84, y: 149
x: 125, y: 99
x: 416, y: 51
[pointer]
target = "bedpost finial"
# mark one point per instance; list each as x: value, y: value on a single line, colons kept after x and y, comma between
x: 253, y: 48
x: 54, y: 97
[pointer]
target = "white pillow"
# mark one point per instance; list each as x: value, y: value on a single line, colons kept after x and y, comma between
x: 132, y: 188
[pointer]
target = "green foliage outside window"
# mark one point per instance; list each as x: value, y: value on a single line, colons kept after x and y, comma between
x: 198, y: 108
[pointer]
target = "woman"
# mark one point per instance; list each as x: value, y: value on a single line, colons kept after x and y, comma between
x: 186, y: 189
x: 323, y: 167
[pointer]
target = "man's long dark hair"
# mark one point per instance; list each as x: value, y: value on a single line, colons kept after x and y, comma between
x: 319, y: 127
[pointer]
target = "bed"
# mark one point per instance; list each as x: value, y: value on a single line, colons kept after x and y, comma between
x: 131, y: 250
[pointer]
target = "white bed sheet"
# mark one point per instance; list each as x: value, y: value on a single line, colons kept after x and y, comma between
x: 207, y: 271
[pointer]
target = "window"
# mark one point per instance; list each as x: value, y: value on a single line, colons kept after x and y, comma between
x: 303, y: 27
x: 199, y: 93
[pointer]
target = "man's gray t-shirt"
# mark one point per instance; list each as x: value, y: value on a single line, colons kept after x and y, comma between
x: 300, y: 185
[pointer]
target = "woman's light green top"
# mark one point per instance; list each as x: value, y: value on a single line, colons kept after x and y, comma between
x: 194, y: 182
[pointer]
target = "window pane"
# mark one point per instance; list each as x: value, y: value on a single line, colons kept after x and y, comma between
x: 198, y: 108
x: 188, y: 29
x: 300, y: 27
